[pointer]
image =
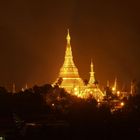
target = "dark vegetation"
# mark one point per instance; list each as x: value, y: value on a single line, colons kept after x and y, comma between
x: 83, y: 118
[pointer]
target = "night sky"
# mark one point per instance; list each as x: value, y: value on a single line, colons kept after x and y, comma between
x: 33, y: 39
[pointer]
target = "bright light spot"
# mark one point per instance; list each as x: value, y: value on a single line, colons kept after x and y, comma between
x: 22, y: 90
x: 52, y: 104
x: 75, y: 89
x: 122, y: 103
x: 98, y: 100
x: 113, y: 89
x: 118, y: 93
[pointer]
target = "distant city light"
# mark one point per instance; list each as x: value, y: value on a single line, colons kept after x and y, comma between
x: 113, y: 89
x: 118, y: 93
x: 122, y: 103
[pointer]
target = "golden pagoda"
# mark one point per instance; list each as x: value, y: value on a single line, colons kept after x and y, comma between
x: 71, y: 80
x: 92, y: 77
x: 92, y: 89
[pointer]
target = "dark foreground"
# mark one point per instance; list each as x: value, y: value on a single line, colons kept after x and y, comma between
x: 80, y: 132
x: 48, y: 112
x: 51, y: 127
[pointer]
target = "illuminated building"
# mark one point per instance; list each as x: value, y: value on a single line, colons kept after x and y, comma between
x: 92, y: 77
x: 23, y: 89
x: 69, y: 73
x: 71, y: 81
x: 133, y: 88
x: 114, y: 88
x: 92, y: 89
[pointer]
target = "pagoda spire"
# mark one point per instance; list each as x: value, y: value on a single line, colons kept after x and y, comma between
x: 68, y: 53
x: 68, y: 38
x: 107, y: 84
x: 26, y: 86
x: 114, y: 88
x: 69, y: 72
x: 92, y: 77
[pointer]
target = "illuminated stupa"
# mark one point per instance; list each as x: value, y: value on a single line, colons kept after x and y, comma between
x: 92, y: 77
x: 69, y: 72
x: 92, y: 89
x: 70, y: 80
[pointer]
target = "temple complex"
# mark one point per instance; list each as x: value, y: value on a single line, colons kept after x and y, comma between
x: 71, y: 81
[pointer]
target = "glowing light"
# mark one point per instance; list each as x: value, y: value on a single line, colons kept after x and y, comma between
x: 118, y: 93
x: 95, y: 89
x: 92, y: 78
x: 115, y: 85
x: 75, y: 89
x: 76, y: 93
x: 53, y: 105
x: 122, y: 103
x: 113, y: 89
